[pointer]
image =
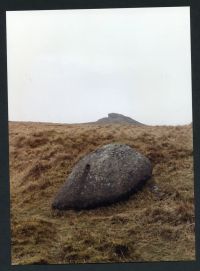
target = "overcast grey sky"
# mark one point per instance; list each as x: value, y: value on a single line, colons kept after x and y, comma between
x: 71, y: 66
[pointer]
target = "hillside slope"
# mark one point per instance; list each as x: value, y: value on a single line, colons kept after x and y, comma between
x: 156, y: 224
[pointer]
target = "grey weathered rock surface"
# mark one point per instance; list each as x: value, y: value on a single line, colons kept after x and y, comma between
x: 118, y: 118
x: 104, y: 176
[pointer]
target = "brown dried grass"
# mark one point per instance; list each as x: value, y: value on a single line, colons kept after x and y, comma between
x: 156, y: 224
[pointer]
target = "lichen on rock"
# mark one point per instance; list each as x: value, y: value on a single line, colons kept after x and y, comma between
x: 104, y: 176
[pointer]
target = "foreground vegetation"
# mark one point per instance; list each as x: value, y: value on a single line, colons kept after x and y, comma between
x: 156, y: 224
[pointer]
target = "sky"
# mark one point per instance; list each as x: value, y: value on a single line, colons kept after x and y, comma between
x: 74, y: 66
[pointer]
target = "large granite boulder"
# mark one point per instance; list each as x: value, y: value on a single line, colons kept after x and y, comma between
x: 104, y: 176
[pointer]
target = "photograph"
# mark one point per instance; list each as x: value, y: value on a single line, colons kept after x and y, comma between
x: 100, y: 135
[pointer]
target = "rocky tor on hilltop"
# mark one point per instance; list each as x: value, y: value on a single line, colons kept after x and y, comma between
x: 118, y: 118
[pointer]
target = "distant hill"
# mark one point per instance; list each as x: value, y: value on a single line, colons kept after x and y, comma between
x: 118, y: 118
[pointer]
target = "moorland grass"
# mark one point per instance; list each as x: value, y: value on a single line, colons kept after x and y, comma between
x: 155, y: 224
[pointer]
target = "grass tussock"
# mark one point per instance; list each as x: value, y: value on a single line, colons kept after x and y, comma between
x: 156, y: 224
